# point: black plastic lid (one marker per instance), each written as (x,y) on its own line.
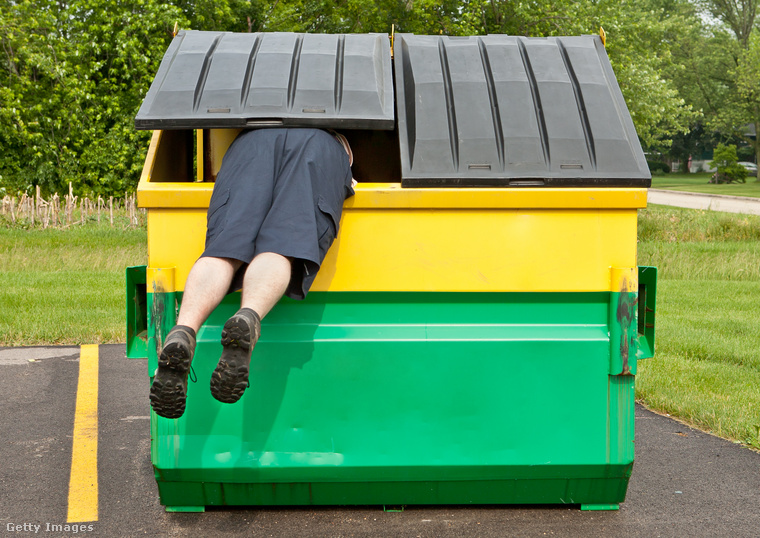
(504,110)
(234,80)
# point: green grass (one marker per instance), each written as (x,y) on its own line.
(66,286)
(706,369)
(673,224)
(699,183)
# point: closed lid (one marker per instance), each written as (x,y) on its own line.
(505,110)
(234,80)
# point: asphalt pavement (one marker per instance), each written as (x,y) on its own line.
(685,482)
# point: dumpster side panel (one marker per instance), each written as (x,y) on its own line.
(408,398)
(445,355)
(508,250)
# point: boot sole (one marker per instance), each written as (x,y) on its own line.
(230,377)
(169,389)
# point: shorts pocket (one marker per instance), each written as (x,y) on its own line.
(327,226)
(218,201)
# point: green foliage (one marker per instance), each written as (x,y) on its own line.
(658,166)
(229,15)
(726,161)
(73,75)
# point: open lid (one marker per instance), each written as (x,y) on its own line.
(234,80)
(504,110)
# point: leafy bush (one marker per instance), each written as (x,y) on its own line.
(727,164)
(658,166)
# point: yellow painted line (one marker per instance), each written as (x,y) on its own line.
(83,484)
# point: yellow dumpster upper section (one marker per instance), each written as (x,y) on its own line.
(427,239)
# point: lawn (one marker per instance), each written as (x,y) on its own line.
(699,183)
(706,369)
(66,286)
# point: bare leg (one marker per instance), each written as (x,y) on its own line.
(265,282)
(206,286)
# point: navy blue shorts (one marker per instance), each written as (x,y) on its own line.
(281,191)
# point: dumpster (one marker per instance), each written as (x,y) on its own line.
(473,333)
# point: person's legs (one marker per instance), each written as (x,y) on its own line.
(206,286)
(264,283)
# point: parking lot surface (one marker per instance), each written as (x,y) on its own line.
(685,482)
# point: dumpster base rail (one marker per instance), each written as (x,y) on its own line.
(589,493)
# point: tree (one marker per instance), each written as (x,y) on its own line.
(224,15)
(73,75)
(735,52)
(738,15)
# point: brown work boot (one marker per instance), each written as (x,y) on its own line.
(239,336)
(169,389)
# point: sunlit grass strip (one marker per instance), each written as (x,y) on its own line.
(64,307)
(729,261)
(675,224)
(700,183)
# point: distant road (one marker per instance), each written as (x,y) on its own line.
(713,202)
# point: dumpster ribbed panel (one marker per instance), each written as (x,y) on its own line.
(580,104)
(448,93)
(233,80)
(496,115)
(339,63)
(536,101)
(504,110)
(204,74)
(293,78)
(249,70)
